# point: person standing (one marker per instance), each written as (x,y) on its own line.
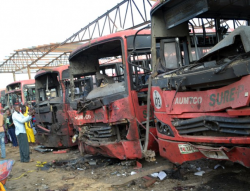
(19,119)
(28,127)
(2,135)
(11,128)
(7,136)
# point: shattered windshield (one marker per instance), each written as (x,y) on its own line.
(48,86)
(98,71)
(15,98)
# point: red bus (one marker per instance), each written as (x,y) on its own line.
(52,121)
(20,92)
(111,119)
(201,102)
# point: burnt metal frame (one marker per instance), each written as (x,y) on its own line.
(25,58)
(123,60)
(37,90)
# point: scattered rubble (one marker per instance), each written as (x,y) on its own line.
(83,163)
(42,149)
(162,175)
(217,166)
(128,163)
(199,173)
(181,188)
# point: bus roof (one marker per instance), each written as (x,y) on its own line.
(58,69)
(122,34)
(180,11)
(22,82)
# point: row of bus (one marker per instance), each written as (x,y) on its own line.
(18,93)
(170,90)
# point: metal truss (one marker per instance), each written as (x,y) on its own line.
(25,58)
(62,59)
(128,14)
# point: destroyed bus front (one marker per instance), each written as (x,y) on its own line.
(20,92)
(200,89)
(52,121)
(110,120)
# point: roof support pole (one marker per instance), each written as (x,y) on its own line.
(14,76)
(28,69)
(217,27)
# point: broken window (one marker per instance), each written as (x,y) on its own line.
(82,86)
(112,69)
(15,98)
(99,66)
(48,86)
(29,92)
(140,69)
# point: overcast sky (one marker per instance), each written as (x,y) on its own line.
(26,23)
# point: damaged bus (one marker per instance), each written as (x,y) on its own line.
(54,129)
(200,88)
(52,120)
(20,92)
(110,120)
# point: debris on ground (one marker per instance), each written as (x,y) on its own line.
(181,188)
(217,166)
(109,174)
(138,165)
(128,163)
(133,173)
(177,174)
(155,175)
(83,163)
(126,180)
(61,151)
(42,149)
(43,165)
(162,175)
(149,156)
(149,183)
(92,162)
(132,183)
(199,173)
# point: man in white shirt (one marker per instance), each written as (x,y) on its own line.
(19,119)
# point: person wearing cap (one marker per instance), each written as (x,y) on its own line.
(2,135)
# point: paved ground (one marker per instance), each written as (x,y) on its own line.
(99,177)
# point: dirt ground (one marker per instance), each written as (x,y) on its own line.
(27,176)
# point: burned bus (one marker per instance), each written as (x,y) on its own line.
(52,120)
(111,119)
(20,92)
(200,88)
